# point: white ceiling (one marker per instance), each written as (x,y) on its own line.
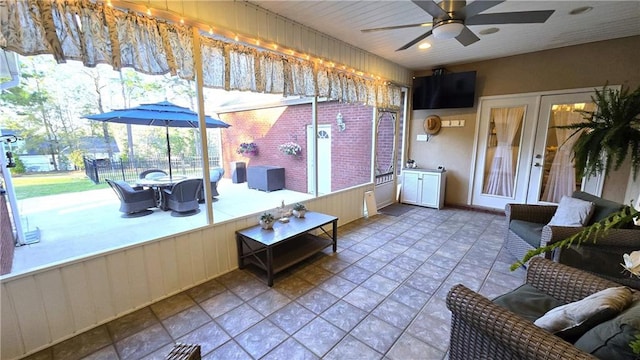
(344,20)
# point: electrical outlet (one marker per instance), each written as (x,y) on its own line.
(422,138)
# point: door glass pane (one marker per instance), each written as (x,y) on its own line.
(559,176)
(503,145)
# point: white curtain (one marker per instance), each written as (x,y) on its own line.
(562,176)
(500,179)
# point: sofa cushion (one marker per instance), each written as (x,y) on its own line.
(571,320)
(610,340)
(603,207)
(572,212)
(528,231)
(527,301)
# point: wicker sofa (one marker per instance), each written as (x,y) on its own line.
(527,229)
(481,329)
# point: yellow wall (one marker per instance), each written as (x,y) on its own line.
(590,65)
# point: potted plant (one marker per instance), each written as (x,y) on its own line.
(609,133)
(290,148)
(299,210)
(266,220)
(249,149)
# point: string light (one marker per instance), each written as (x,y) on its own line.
(109,4)
(282,50)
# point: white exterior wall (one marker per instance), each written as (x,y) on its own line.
(45,307)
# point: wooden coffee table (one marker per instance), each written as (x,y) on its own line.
(287,244)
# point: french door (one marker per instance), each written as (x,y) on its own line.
(553,174)
(521,156)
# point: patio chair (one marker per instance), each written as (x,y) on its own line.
(215,175)
(504,328)
(152,173)
(134,202)
(182,197)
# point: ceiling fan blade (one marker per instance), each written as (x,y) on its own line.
(477,7)
(415,41)
(432,8)
(520,17)
(467,37)
(396,27)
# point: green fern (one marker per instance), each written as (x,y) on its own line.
(593,232)
(609,134)
(635,344)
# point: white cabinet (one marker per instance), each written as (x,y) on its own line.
(423,187)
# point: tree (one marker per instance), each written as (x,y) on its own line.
(44,108)
(98,87)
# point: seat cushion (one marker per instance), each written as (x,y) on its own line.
(603,207)
(610,339)
(527,301)
(529,231)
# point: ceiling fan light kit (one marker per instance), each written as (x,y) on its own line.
(451,19)
(448,29)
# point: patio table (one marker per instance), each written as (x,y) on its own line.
(157,184)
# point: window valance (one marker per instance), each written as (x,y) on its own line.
(96,33)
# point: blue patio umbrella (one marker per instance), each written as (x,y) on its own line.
(163,113)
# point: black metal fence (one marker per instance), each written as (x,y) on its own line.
(99,169)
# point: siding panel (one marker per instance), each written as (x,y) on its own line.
(32,320)
(100,287)
(154,270)
(56,304)
(80,301)
(119,282)
(137,276)
(10,341)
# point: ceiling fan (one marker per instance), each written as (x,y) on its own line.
(451,18)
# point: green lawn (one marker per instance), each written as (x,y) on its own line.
(34,185)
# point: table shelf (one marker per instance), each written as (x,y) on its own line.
(290,252)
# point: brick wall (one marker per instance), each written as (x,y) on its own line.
(268,128)
(7,241)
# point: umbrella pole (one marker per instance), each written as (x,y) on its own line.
(169,153)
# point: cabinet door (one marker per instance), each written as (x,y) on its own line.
(430,190)
(410,187)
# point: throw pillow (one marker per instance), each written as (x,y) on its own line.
(572,320)
(572,212)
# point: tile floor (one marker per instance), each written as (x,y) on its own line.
(382,295)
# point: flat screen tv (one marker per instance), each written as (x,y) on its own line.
(454,90)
